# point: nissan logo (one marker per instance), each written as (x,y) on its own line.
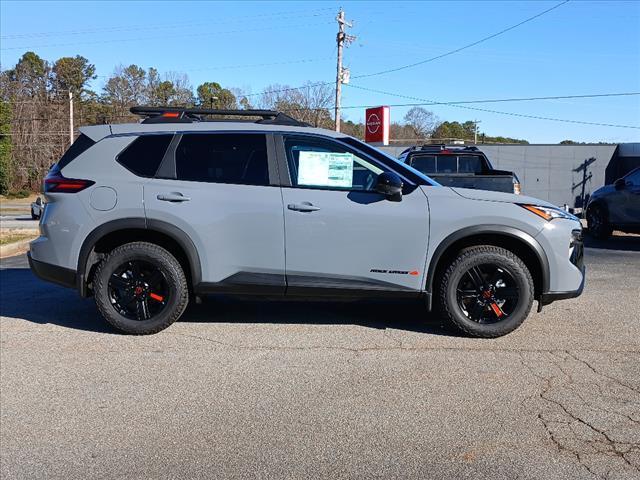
(373,123)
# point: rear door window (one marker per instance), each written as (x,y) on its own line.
(223,158)
(144,155)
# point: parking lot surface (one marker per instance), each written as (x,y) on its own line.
(321,389)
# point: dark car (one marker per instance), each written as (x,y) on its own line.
(459,166)
(615,207)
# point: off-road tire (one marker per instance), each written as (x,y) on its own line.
(477,255)
(163,260)
(598,223)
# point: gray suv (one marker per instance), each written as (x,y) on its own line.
(146,216)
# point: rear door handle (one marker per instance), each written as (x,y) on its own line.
(303,207)
(173,197)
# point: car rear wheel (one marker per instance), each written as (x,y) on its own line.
(486,291)
(140,288)
(597,222)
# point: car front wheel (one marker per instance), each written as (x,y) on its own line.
(486,291)
(597,222)
(140,288)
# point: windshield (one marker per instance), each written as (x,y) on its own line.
(411,173)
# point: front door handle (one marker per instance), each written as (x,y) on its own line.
(173,197)
(303,207)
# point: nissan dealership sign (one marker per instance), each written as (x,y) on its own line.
(377,125)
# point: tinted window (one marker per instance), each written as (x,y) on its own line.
(144,155)
(391,163)
(424,163)
(633,178)
(81,144)
(447,164)
(223,158)
(470,164)
(321,163)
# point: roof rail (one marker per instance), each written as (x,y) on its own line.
(189,115)
(442,146)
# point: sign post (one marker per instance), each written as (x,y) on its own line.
(377,126)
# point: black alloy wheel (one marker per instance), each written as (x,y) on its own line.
(597,223)
(138,290)
(487,293)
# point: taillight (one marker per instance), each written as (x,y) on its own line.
(55,182)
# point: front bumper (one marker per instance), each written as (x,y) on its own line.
(550,297)
(52,273)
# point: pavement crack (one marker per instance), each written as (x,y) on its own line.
(595,371)
(561,409)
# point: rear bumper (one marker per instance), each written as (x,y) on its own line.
(550,297)
(52,273)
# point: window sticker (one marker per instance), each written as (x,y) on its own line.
(327,169)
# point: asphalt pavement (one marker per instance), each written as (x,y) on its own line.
(18,222)
(257,389)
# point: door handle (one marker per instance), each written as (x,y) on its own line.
(303,207)
(173,197)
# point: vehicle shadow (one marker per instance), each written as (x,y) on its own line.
(24,296)
(625,242)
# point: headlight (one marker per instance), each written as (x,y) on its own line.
(549,213)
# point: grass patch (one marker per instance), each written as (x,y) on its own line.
(7,238)
(18,194)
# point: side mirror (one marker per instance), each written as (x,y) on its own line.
(619,184)
(390,185)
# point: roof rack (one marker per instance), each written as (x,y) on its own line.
(190,115)
(439,147)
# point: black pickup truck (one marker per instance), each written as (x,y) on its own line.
(457,166)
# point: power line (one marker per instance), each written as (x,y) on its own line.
(523,115)
(251,65)
(497,100)
(457,103)
(451,52)
(243,19)
(164,37)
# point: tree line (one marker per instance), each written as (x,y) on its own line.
(34,110)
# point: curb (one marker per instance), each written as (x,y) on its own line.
(15,248)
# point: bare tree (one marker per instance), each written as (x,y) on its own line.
(421,121)
(311,103)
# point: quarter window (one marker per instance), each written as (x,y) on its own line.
(223,158)
(144,155)
(78,147)
(317,163)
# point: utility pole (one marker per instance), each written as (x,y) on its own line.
(70,118)
(475,131)
(342,39)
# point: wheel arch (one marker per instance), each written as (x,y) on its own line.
(599,202)
(520,243)
(118,232)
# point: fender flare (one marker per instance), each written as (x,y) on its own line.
(140,223)
(483,230)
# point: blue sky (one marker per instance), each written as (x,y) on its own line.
(582,47)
